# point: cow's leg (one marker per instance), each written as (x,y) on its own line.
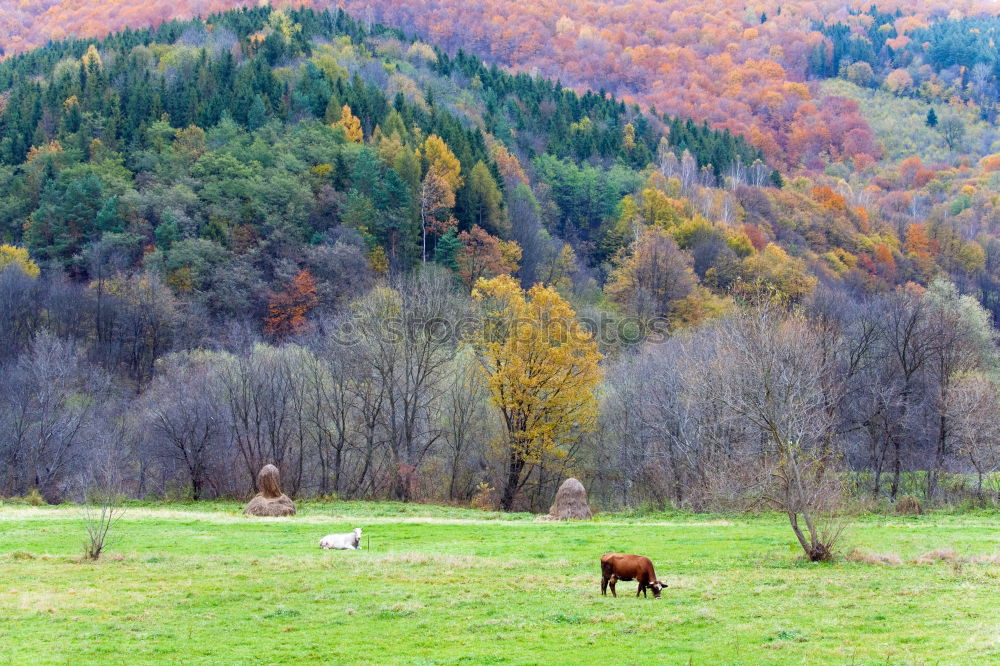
(604,586)
(641,589)
(614,579)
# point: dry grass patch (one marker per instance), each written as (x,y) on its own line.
(938,555)
(949,555)
(868,557)
(983,559)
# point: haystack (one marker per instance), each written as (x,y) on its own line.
(570,503)
(270,501)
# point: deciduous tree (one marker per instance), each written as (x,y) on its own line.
(287,310)
(542,372)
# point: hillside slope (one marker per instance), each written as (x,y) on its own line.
(137,136)
(739,69)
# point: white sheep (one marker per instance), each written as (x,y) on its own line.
(349,541)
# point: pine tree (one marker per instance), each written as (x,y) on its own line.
(257,116)
(932,119)
(446,252)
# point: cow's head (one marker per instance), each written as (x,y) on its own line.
(656,586)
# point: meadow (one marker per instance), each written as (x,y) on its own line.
(204,584)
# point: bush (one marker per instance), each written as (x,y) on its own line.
(34,498)
(908,505)
(484,499)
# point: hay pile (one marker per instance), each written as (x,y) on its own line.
(270,501)
(570,503)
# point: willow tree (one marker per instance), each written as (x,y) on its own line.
(542,371)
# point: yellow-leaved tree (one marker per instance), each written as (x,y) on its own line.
(11,255)
(439,159)
(442,178)
(351,125)
(542,371)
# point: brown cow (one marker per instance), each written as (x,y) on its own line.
(618,566)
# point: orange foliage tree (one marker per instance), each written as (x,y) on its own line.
(484,256)
(287,309)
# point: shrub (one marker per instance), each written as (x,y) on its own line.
(908,505)
(484,499)
(34,498)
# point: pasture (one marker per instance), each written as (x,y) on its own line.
(203,584)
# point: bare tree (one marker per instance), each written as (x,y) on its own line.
(973,405)
(666,160)
(526,229)
(623,452)
(960,340)
(654,277)
(103,485)
(769,370)
(101,511)
(979,80)
(736,174)
(688,171)
(897,391)
(21,311)
(48,411)
(261,396)
(466,426)
(331,409)
(406,343)
(181,416)
(758,174)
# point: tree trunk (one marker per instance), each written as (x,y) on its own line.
(515,465)
(452,480)
(337,461)
(939,453)
(896,471)
(793,519)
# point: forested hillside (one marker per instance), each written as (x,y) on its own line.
(393,269)
(740,68)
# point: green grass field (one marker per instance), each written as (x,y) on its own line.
(203,584)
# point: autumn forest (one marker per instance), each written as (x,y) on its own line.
(690,253)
